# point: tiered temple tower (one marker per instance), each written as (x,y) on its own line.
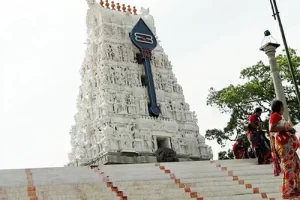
(129,103)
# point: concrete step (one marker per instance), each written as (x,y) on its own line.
(146,182)
(237,197)
(226,179)
(218,180)
(139,178)
(158,198)
(213,168)
(90,196)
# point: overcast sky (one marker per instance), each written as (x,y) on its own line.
(41,52)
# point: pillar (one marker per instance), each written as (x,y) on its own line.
(270,50)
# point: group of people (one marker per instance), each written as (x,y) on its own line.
(280,150)
(260,144)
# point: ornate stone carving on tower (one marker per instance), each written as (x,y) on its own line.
(129,103)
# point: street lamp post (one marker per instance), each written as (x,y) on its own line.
(270,49)
(276,13)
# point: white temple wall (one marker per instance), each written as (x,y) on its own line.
(112,104)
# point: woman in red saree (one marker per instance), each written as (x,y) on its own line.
(284,146)
(256,136)
(239,150)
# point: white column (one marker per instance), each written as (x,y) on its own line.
(270,50)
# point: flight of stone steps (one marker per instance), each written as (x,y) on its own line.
(203,180)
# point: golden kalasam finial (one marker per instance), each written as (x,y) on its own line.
(101,3)
(124,8)
(129,9)
(106,4)
(134,10)
(118,7)
(113,5)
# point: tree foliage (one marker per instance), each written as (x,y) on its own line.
(240,100)
(225,155)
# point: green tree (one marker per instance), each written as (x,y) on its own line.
(225,155)
(239,101)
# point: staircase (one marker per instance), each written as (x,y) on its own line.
(203,180)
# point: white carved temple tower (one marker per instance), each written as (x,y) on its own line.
(113,124)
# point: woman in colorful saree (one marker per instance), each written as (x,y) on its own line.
(239,149)
(284,146)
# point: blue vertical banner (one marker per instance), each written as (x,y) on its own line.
(143,38)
